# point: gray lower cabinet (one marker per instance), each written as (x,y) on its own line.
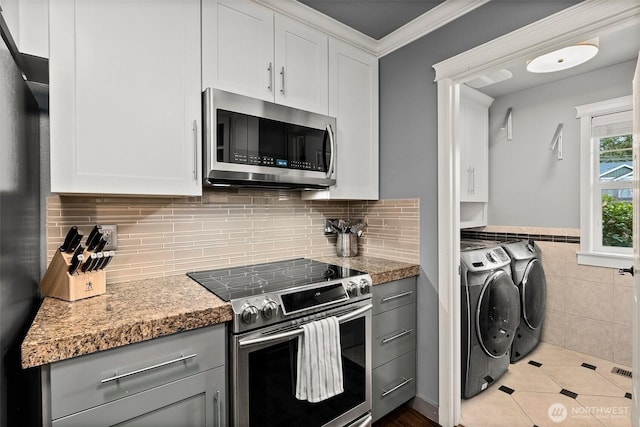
(175,380)
(393,345)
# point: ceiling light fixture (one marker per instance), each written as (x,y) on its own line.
(564,58)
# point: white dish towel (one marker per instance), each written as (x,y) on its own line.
(319,375)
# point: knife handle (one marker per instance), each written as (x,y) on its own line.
(91,239)
(108,260)
(75,263)
(97,261)
(101,244)
(86,267)
(71,234)
(75,242)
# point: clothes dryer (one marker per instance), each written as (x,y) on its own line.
(528,274)
(490,312)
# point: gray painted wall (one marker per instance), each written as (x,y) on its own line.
(528,186)
(408,143)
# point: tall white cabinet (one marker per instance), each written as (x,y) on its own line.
(125,103)
(250,50)
(353,100)
(474,156)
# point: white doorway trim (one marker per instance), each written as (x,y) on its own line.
(577,23)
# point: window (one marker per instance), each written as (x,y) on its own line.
(606,183)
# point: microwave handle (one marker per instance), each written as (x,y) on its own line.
(298,331)
(332,159)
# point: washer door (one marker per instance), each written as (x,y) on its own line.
(533,291)
(498,314)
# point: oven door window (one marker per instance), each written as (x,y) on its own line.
(272,382)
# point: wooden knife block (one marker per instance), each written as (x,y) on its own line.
(58,283)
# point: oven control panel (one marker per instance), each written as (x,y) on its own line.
(270,308)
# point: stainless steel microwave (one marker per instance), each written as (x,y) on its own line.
(251,142)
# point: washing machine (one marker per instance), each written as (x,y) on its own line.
(528,275)
(489,316)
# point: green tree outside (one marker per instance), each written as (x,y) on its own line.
(617,215)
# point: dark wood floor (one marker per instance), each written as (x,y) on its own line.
(405,416)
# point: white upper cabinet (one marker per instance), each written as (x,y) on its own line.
(237,48)
(250,50)
(474,145)
(125,99)
(474,156)
(353,100)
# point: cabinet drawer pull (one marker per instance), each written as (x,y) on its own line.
(182,358)
(396,336)
(270,70)
(392,297)
(405,381)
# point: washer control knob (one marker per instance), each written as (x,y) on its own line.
(269,309)
(249,314)
(365,286)
(352,289)
(491,257)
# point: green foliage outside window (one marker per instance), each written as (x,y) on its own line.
(617,222)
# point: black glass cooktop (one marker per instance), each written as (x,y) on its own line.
(239,282)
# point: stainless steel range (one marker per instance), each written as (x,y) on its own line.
(271,302)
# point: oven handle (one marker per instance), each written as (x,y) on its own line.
(296,332)
(366,421)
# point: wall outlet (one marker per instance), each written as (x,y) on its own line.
(110,232)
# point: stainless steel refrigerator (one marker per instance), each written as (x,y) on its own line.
(20,247)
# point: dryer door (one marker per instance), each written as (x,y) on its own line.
(533,291)
(498,314)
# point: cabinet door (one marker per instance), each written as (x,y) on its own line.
(125,97)
(196,401)
(301,73)
(474,145)
(237,47)
(353,100)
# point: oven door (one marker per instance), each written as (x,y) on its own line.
(263,367)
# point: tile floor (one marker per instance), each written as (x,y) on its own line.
(553,387)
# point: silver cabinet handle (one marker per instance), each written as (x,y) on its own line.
(298,331)
(182,358)
(396,336)
(218,409)
(329,131)
(473,180)
(392,297)
(282,87)
(195,150)
(405,381)
(270,69)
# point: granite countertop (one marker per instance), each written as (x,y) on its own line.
(381,270)
(135,311)
(127,313)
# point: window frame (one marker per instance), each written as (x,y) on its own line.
(591,250)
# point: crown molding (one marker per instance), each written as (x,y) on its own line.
(572,25)
(322,22)
(430,21)
(426,23)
